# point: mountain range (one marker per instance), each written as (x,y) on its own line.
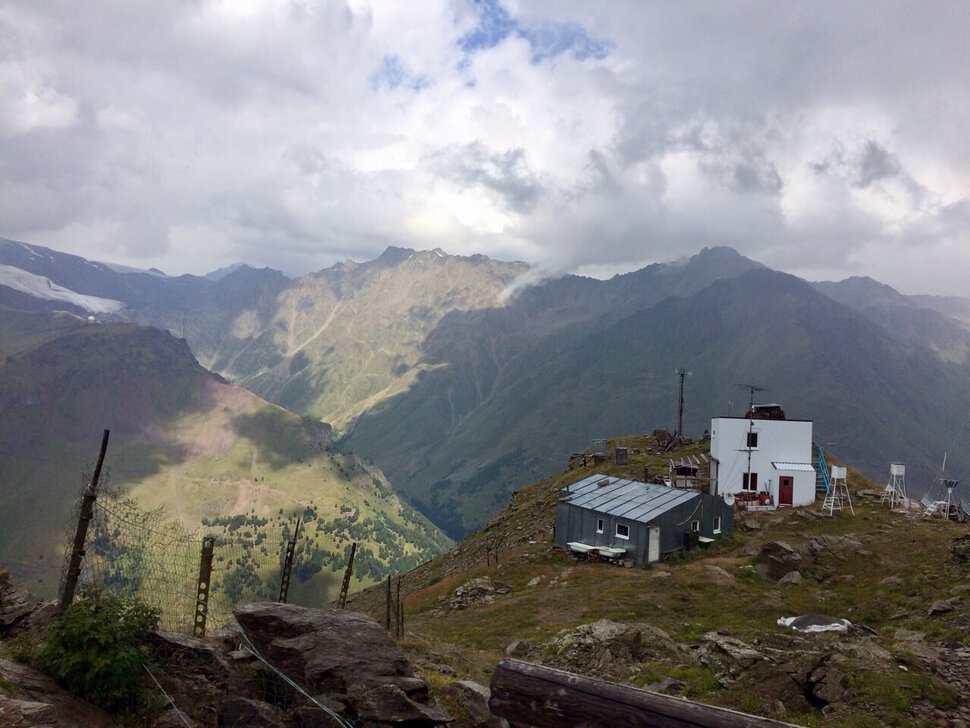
(185,443)
(462,382)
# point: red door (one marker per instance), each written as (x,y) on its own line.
(786,490)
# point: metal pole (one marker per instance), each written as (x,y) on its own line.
(202,593)
(87,513)
(680,410)
(342,603)
(288,564)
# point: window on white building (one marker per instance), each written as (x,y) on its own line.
(749,483)
(752,439)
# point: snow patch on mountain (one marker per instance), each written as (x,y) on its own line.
(42,287)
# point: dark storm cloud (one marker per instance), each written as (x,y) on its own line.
(506,172)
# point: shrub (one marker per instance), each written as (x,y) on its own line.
(94,650)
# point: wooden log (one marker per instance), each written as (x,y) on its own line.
(543,697)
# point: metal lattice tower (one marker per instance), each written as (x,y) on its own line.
(837,496)
(895,491)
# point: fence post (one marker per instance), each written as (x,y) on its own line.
(387,613)
(84,519)
(342,603)
(400,610)
(288,564)
(202,593)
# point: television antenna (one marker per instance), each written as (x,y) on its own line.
(752,388)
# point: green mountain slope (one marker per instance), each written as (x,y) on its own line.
(183,440)
(875,396)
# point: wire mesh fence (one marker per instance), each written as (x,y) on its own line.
(147,555)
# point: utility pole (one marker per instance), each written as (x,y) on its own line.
(681,372)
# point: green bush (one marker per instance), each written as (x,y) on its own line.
(95,650)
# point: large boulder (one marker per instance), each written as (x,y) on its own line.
(30,699)
(471,702)
(17,614)
(727,656)
(777,559)
(343,655)
(609,648)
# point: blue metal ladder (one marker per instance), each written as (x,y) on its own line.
(821,470)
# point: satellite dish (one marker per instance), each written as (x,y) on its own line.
(729,498)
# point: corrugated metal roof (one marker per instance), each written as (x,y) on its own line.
(798,467)
(629,499)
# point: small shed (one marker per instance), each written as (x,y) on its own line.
(637,521)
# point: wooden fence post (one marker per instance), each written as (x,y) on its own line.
(387,613)
(80,534)
(399,612)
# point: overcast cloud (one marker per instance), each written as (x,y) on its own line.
(825,139)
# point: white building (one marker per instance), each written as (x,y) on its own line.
(763,457)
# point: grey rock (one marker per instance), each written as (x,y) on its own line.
(718,573)
(390,704)
(727,656)
(666,685)
(472,701)
(828,684)
(891,581)
(776,559)
(344,655)
(791,578)
(174,718)
(908,635)
(943,606)
(31,698)
(519,648)
(246,713)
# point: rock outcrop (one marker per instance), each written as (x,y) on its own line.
(343,655)
(30,699)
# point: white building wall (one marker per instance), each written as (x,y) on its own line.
(778,441)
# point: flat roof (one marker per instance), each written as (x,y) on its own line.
(757,419)
(797,467)
(629,499)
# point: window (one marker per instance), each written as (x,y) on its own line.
(717,524)
(622,531)
(599,525)
(749,483)
(695,526)
(752,439)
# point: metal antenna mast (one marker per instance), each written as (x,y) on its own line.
(752,388)
(681,372)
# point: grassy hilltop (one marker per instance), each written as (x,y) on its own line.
(881,570)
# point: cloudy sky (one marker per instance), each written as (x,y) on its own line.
(824,139)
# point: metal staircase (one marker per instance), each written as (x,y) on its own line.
(821,470)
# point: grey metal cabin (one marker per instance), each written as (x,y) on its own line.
(646,521)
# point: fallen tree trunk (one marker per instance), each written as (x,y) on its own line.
(533,695)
